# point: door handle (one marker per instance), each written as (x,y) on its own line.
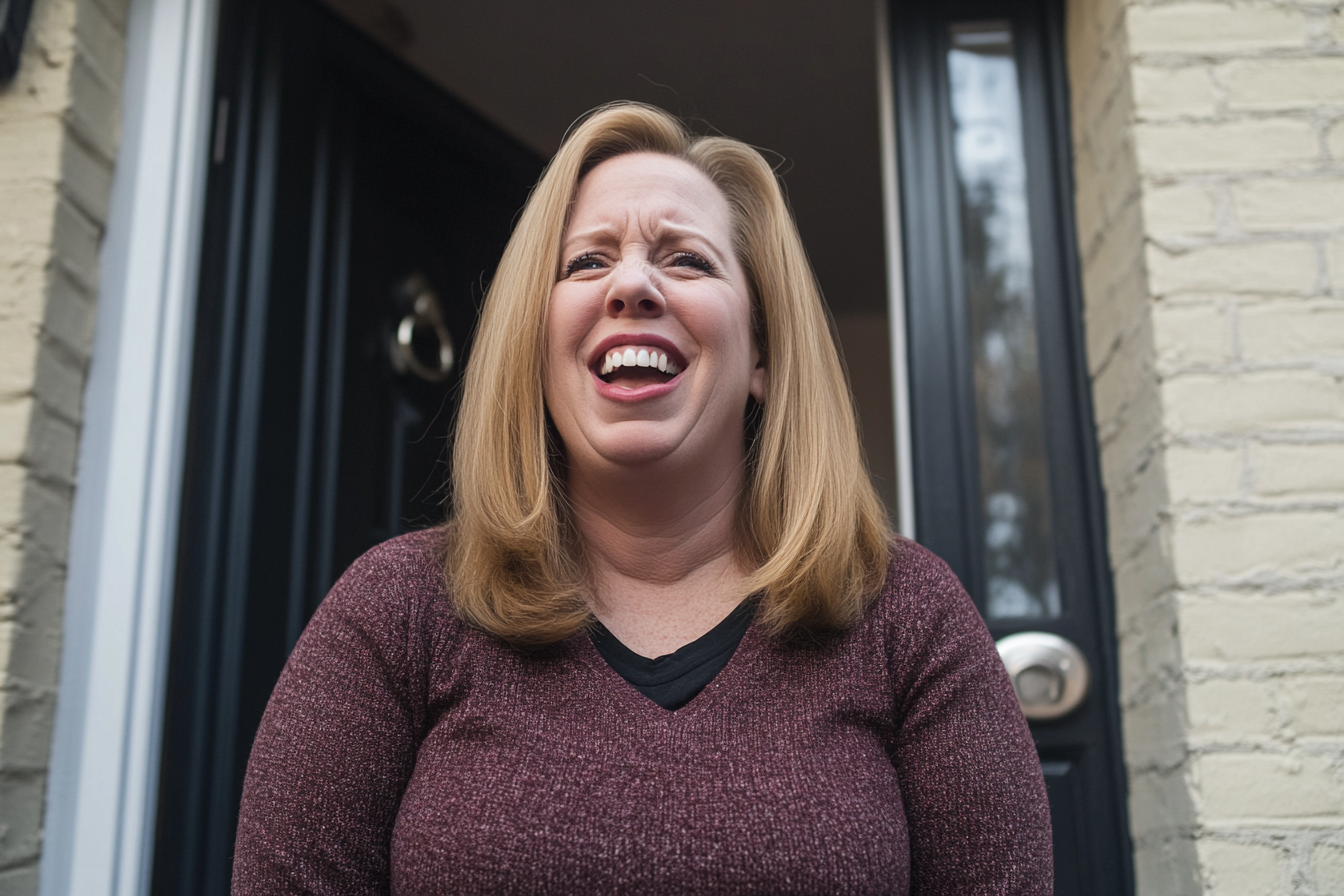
(425,314)
(1049,673)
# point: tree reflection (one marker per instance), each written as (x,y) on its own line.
(997,270)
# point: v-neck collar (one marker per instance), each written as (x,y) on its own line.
(639,669)
(608,679)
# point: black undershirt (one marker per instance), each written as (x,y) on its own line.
(672,680)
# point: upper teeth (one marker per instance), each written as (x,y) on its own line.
(637,356)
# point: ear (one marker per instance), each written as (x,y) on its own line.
(760,377)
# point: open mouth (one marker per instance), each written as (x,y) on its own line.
(633,366)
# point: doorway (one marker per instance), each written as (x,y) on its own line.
(340,284)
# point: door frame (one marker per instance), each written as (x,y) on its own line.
(103,777)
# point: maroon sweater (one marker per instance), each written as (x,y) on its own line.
(405,752)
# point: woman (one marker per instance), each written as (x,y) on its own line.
(666,643)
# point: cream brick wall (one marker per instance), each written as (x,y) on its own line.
(58,137)
(1209,144)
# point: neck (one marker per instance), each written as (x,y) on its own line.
(661,551)
(655,528)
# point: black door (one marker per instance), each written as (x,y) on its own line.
(353,217)
(1007,488)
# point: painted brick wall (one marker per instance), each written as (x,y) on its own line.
(58,138)
(1210,159)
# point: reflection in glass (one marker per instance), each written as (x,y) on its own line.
(1020,566)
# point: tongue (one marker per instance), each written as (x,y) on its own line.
(636,377)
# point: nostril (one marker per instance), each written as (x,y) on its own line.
(648,305)
(617,305)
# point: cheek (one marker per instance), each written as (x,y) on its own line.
(565,331)
(736,328)
(566,325)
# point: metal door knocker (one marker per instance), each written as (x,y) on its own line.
(426,318)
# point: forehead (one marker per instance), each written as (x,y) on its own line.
(649,188)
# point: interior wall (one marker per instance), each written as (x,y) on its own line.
(797,79)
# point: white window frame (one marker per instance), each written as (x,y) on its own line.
(103,786)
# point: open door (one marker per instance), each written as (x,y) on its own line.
(354,216)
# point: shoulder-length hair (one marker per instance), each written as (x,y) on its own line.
(811,531)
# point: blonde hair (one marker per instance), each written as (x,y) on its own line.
(811,531)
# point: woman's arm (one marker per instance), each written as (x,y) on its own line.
(970,777)
(338,740)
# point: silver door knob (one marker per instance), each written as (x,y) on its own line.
(1049,673)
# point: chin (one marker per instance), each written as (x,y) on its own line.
(637,443)
(637,452)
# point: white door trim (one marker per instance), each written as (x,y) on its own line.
(102,789)
(891,216)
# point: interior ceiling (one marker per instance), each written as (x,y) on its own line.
(797,78)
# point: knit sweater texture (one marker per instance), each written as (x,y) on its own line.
(404,752)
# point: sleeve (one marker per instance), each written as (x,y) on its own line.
(337,744)
(975,799)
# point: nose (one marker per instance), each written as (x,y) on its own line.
(633,291)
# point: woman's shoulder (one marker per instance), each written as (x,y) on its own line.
(412,560)
(917,579)
(398,583)
(921,603)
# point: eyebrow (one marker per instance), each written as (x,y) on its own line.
(610,232)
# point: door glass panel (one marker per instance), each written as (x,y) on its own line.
(1021,578)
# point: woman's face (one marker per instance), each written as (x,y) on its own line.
(650,353)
